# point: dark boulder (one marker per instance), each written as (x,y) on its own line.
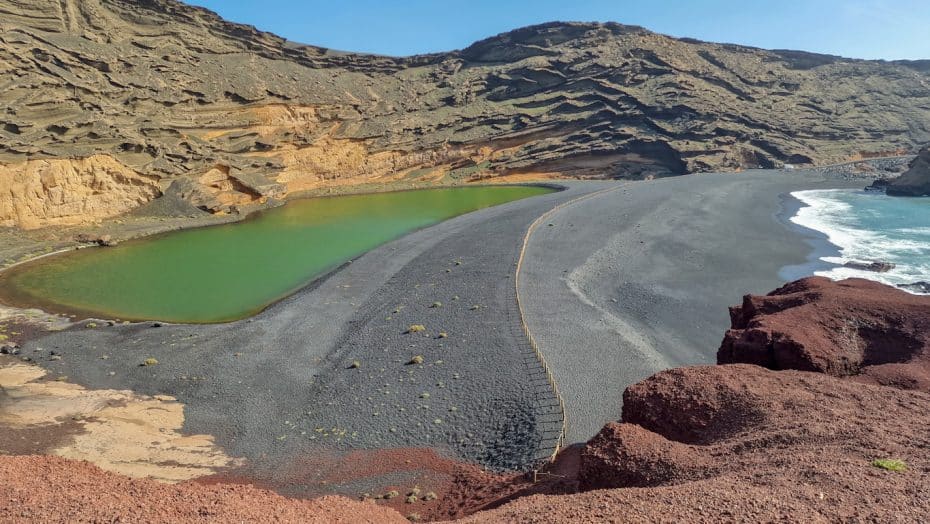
(916,181)
(875,266)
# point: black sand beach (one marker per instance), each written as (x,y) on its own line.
(605,288)
(280,385)
(638,280)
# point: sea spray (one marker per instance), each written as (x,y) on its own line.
(869,226)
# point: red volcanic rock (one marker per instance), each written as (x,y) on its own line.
(53,489)
(627,455)
(743,443)
(855,327)
(756,445)
(673,404)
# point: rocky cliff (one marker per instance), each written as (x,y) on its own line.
(855,328)
(170,93)
(916,180)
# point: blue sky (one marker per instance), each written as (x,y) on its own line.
(890,29)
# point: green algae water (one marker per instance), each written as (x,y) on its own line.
(222,273)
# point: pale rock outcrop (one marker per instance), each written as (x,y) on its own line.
(38,193)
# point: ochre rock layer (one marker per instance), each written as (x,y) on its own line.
(94,78)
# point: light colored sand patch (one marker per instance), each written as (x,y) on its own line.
(630,336)
(19,375)
(131,434)
(519,178)
(36,317)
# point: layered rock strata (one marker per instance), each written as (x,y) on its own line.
(236,116)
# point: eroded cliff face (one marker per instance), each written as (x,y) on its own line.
(38,193)
(104,77)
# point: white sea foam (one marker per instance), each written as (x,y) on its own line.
(870,227)
(915,230)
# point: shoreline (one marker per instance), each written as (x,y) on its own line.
(821,260)
(134,224)
(147,220)
(819,242)
(480,367)
(79,314)
(645,276)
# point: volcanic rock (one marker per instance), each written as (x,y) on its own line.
(735,442)
(739,442)
(747,444)
(53,489)
(875,266)
(880,184)
(916,181)
(101,240)
(852,328)
(628,455)
(919,287)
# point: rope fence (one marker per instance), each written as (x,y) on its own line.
(552,450)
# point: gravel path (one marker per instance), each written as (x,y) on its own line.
(639,279)
(281,385)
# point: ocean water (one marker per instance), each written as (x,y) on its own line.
(867,226)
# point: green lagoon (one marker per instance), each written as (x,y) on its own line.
(227,272)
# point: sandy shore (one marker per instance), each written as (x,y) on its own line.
(628,282)
(637,280)
(278,388)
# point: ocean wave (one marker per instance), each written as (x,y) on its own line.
(868,227)
(915,230)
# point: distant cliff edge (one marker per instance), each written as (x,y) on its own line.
(916,180)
